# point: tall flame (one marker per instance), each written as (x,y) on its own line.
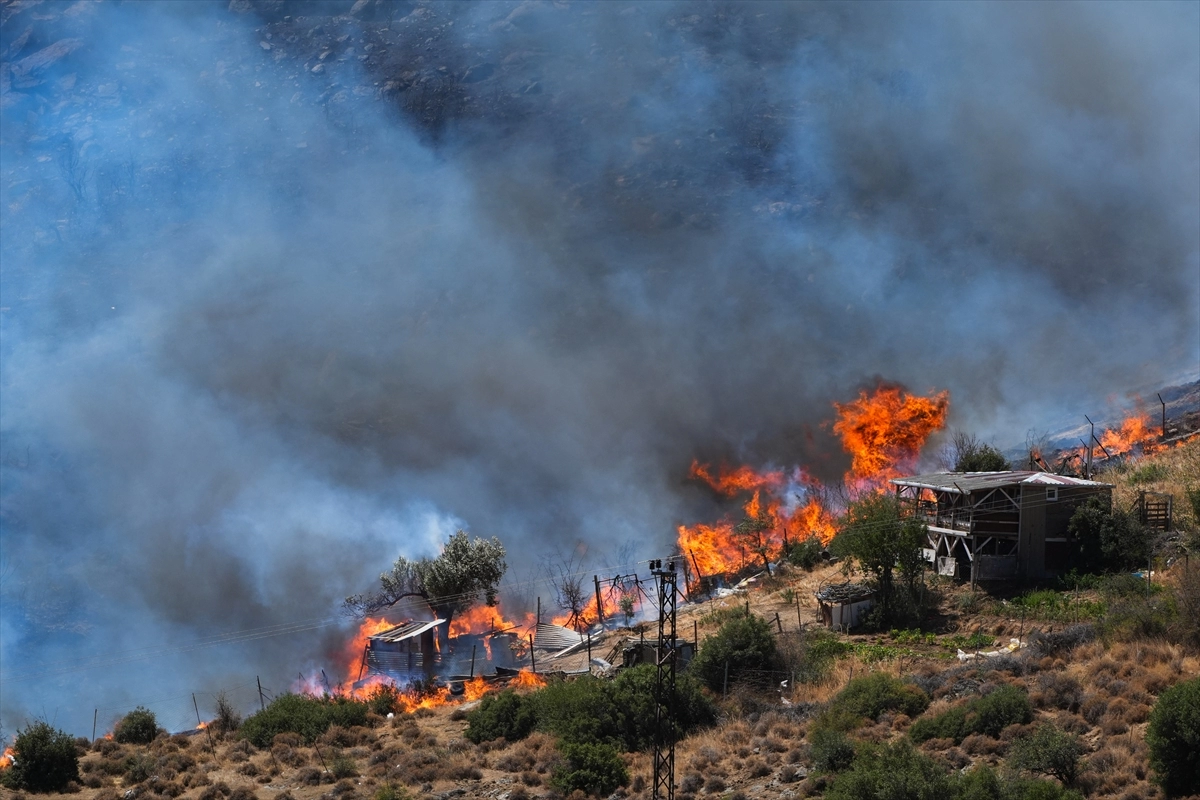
(883,432)
(7,759)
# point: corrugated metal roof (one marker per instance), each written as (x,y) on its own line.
(554,637)
(406,630)
(968,482)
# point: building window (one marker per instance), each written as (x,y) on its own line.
(1052,493)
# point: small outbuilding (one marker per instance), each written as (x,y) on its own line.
(843,605)
(997,525)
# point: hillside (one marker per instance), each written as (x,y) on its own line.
(1092,661)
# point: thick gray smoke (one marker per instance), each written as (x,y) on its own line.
(286,294)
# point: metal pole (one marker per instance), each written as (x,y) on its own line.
(199,723)
(1088,471)
(473,660)
(532,655)
(1164,415)
(95,716)
(664,687)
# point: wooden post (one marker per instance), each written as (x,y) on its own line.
(1164,415)
(799,619)
(725,681)
(589,646)
(599,606)
(95,716)
(539,613)
(196,706)
(695,636)
(699,574)
(262,704)
(473,660)
(363,666)
(778,622)
(532,655)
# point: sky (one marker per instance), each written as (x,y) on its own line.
(284,295)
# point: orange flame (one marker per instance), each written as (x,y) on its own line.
(1136,432)
(8,759)
(201,726)
(589,616)
(527,680)
(475,688)
(885,431)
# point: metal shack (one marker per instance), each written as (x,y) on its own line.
(407,651)
(997,525)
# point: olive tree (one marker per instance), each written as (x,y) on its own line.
(466,572)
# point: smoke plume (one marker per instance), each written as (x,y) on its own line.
(290,289)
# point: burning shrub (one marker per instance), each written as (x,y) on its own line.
(137,727)
(1174,738)
(743,644)
(507,714)
(307,716)
(590,767)
(44,760)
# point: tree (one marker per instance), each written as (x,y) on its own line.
(1049,751)
(137,727)
(1174,738)
(966,453)
(752,529)
(466,571)
(882,541)
(44,760)
(566,576)
(1108,539)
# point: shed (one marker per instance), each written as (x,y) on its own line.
(406,651)
(997,525)
(842,605)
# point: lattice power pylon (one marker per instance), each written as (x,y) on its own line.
(664,686)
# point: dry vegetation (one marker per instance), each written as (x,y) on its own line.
(1094,682)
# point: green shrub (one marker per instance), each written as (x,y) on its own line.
(744,643)
(1108,540)
(137,727)
(982,783)
(1148,473)
(228,719)
(987,715)
(1049,751)
(342,766)
(806,554)
(384,699)
(891,772)
(593,768)
(871,695)
(44,760)
(1174,739)
(390,791)
(304,715)
(139,767)
(992,713)
(581,710)
(632,694)
(950,724)
(831,749)
(505,715)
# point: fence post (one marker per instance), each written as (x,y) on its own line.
(725,683)
(532,655)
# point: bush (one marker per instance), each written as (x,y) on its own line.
(992,713)
(1108,540)
(871,695)
(505,715)
(806,554)
(589,767)
(891,772)
(745,643)
(137,727)
(987,715)
(581,710)
(832,750)
(307,716)
(228,719)
(1174,739)
(632,693)
(1049,751)
(44,760)
(982,783)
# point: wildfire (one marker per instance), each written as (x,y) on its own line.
(202,726)
(527,680)
(8,759)
(589,616)
(475,688)
(1135,432)
(885,431)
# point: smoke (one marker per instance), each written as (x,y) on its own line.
(286,294)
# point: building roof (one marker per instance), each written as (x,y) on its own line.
(555,637)
(968,482)
(406,631)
